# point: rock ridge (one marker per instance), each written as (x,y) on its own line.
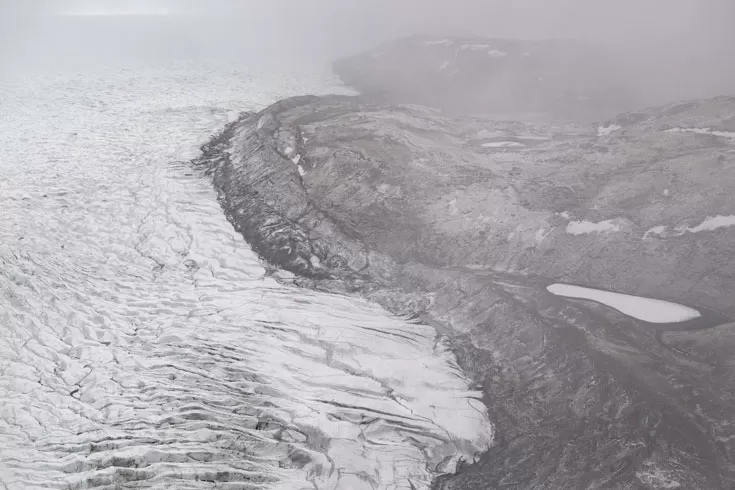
(462,222)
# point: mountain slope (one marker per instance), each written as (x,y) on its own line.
(464,222)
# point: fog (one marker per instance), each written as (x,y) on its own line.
(678,47)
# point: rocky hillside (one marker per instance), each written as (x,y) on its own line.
(464,222)
(529,79)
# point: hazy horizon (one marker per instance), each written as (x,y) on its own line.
(682,46)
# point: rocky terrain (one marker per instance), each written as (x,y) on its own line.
(538,79)
(463,223)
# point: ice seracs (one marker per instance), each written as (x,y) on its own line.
(142,342)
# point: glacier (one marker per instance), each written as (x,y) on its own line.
(144,345)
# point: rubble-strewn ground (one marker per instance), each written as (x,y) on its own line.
(463,222)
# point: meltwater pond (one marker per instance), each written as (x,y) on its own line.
(646,309)
(142,344)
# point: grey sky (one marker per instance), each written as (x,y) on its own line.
(687,41)
(702,22)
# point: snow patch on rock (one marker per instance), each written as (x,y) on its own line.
(442,42)
(711,223)
(475,47)
(609,129)
(645,309)
(586,227)
(705,131)
(502,144)
(655,231)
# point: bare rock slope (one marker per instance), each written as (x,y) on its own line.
(530,79)
(464,222)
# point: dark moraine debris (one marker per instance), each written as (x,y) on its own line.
(406,207)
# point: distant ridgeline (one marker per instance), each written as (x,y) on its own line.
(583,275)
(546,78)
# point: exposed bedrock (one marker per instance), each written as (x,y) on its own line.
(464,222)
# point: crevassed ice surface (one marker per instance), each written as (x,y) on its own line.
(646,309)
(142,345)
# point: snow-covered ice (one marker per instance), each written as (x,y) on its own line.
(646,309)
(143,344)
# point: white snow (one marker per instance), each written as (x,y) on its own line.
(656,230)
(444,42)
(296,161)
(534,137)
(475,46)
(233,116)
(585,227)
(609,129)
(444,65)
(711,223)
(645,309)
(707,131)
(501,144)
(138,328)
(497,54)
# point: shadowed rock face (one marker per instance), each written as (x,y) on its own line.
(530,79)
(464,222)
